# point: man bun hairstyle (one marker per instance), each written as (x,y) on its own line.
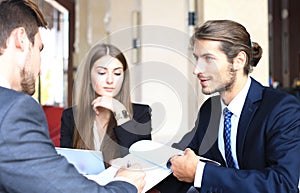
(234,38)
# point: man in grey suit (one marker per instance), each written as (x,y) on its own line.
(28,160)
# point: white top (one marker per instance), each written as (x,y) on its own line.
(97,140)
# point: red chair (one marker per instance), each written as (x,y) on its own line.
(53,116)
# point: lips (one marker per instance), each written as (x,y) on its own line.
(203,80)
(108,89)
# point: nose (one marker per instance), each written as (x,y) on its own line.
(109,79)
(196,70)
(199,67)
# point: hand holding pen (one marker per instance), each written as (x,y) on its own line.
(184,166)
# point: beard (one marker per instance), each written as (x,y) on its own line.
(232,78)
(27,77)
(27,82)
(225,85)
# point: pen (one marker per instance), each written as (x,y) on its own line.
(168,164)
(206,160)
(128,164)
(203,159)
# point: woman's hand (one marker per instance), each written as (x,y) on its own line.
(120,112)
(106,102)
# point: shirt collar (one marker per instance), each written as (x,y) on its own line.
(4,83)
(236,105)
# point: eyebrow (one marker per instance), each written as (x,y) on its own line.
(207,54)
(106,68)
(203,55)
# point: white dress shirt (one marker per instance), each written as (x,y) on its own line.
(4,83)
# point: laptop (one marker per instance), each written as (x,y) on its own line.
(87,162)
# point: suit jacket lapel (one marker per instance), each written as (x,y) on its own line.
(250,106)
(209,145)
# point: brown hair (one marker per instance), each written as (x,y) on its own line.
(234,38)
(19,13)
(84,95)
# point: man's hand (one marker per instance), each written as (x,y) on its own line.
(134,175)
(184,166)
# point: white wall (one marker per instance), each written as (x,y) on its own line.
(89,26)
(167,80)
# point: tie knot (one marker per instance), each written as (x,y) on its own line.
(227,113)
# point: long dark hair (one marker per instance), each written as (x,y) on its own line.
(83,96)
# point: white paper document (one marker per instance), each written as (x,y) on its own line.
(150,155)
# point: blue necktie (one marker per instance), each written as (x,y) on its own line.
(226,135)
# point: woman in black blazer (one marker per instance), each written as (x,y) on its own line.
(103,117)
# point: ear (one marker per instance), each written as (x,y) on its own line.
(240,60)
(20,38)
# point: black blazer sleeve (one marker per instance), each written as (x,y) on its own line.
(67,128)
(139,128)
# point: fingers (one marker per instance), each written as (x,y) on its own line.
(104,102)
(141,185)
(176,162)
(188,151)
(125,164)
(134,174)
(135,166)
(95,104)
(184,166)
(134,169)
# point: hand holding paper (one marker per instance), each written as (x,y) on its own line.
(134,175)
(184,166)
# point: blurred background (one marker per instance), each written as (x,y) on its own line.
(154,35)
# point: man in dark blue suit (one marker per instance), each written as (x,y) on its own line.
(257,141)
(28,160)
